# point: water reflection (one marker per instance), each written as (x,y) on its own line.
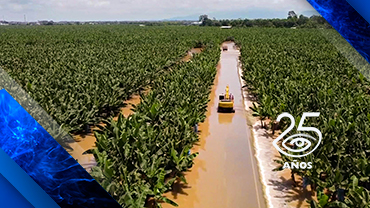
(225,118)
(225,172)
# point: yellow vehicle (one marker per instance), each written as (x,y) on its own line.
(226,102)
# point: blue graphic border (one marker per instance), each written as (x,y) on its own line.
(347,21)
(45,161)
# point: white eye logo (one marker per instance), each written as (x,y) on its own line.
(302,142)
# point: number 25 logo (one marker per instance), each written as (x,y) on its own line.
(298,140)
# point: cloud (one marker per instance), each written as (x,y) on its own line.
(72,4)
(16,7)
(137,9)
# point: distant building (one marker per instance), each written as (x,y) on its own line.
(45,22)
(141,25)
(4,23)
(225,27)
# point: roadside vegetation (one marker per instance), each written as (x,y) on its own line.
(141,156)
(302,72)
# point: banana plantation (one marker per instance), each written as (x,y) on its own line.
(81,76)
(302,72)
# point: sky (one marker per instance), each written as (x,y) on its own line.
(121,10)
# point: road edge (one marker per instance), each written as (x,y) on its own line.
(264,151)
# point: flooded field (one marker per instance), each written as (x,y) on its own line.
(225,173)
(190,54)
(85,142)
(91,68)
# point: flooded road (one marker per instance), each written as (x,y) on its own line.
(225,173)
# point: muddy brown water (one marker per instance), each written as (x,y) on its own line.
(85,142)
(191,53)
(225,173)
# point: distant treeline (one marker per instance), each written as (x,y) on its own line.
(293,20)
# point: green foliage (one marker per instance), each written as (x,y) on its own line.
(140,157)
(292,21)
(81,74)
(299,71)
